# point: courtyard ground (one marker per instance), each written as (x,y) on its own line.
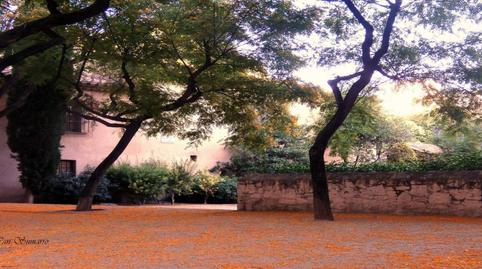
(218,237)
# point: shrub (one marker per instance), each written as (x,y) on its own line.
(180,179)
(400,152)
(207,183)
(149,180)
(226,190)
(66,189)
(137,184)
(265,163)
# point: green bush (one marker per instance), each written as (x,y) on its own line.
(137,184)
(269,163)
(66,189)
(180,179)
(149,180)
(226,191)
(401,152)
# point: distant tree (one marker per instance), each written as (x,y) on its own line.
(365,34)
(180,179)
(401,152)
(207,183)
(366,133)
(182,68)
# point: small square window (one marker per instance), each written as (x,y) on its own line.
(67,167)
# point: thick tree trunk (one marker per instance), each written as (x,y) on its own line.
(206,198)
(321,198)
(87,195)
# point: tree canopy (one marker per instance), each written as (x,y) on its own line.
(184,67)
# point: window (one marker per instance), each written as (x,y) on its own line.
(74,123)
(66,167)
(193,158)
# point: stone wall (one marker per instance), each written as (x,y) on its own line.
(441,192)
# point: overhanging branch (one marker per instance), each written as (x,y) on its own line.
(11,36)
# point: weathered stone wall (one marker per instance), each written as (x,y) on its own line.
(448,193)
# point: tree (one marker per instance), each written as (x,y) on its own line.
(36,124)
(180,179)
(182,67)
(207,182)
(34,131)
(406,53)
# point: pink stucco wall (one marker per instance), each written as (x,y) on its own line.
(10,188)
(92,147)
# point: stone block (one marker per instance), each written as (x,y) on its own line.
(439,198)
(419,190)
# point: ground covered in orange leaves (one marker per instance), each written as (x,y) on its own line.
(183,237)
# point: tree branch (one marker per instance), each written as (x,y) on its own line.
(29,51)
(11,36)
(128,80)
(368,41)
(52,6)
(385,74)
(387,32)
(97,119)
(336,90)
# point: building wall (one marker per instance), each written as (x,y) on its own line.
(441,192)
(90,148)
(10,188)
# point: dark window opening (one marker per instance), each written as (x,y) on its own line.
(193,158)
(74,123)
(66,167)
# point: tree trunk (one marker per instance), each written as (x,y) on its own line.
(321,198)
(87,195)
(28,197)
(172,198)
(206,198)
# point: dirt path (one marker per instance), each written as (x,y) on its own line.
(183,237)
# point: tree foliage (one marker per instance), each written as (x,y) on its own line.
(34,131)
(37,18)
(367,133)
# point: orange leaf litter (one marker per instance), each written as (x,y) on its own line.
(177,237)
